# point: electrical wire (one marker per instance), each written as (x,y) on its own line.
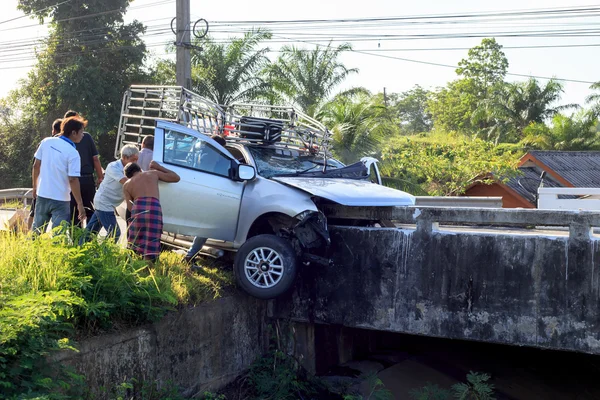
(34,12)
(307,31)
(454,66)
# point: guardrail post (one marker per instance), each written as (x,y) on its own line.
(424,225)
(580,229)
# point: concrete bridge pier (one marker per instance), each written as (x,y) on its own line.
(319,347)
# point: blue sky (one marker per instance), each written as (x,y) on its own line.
(580,63)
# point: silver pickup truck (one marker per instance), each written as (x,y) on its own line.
(260,197)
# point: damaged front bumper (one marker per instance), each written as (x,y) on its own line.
(312,236)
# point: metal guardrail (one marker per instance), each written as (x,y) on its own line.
(456,201)
(426,219)
(24,194)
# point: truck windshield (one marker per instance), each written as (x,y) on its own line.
(271,162)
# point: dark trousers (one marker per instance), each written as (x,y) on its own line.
(88,191)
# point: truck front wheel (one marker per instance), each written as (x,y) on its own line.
(265,266)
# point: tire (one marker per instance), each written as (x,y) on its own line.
(271,255)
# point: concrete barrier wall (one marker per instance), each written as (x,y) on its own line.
(200,348)
(497,287)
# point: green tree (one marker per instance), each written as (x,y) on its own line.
(576,132)
(308,78)
(17,145)
(486,64)
(230,73)
(453,107)
(162,72)
(482,73)
(411,108)
(594,100)
(89,58)
(357,123)
(514,106)
(444,165)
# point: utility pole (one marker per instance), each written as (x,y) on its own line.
(184,59)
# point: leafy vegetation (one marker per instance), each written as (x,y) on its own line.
(476,388)
(358,125)
(376,389)
(308,78)
(444,165)
(232,72)
(279,376)
(52,291)
(11,204)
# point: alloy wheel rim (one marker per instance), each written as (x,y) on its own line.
(263,267)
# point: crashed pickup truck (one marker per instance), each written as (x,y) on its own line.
(260,197)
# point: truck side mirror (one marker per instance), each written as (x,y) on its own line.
(245,172)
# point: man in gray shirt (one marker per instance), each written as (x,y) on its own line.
(110,194)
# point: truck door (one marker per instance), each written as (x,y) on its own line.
(206,201)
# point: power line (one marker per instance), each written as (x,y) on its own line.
(34,12)
(523,12)
(449,66)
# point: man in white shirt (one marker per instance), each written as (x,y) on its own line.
(55,175)
(146,153)
(110,194)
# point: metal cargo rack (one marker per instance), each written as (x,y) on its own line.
(143,105)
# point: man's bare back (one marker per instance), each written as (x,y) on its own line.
(145,184)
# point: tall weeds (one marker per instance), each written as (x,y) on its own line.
(52,290)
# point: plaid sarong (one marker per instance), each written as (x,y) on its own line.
(145,228)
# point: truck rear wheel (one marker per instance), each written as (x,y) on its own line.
(265,266)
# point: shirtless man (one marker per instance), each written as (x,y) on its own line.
(141,196)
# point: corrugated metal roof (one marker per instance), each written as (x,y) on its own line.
(527,183)
(580,168)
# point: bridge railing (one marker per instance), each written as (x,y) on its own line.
(427,219)
(458,201)
(552,199)
(22,194)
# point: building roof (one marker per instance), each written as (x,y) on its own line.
(579,168)
(527,183)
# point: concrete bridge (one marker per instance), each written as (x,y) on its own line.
(476,274)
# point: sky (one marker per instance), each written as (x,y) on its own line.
(375,71)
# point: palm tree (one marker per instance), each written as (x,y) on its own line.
(307,78)
(577,132)
(358,125)
(513,106)
(594,100)
(230,73)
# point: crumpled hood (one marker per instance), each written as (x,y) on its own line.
(350,192)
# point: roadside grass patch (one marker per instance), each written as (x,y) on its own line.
(52,290)
(11,204)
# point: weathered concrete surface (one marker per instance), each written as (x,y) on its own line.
(516,289)
(197,349)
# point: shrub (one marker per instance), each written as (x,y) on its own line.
(51,290)
(476,388)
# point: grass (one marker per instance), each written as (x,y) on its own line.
(52,290)
(11,204)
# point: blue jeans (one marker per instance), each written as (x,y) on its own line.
(106,220)
(47,210)
(196,247)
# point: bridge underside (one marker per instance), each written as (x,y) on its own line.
(506,288)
